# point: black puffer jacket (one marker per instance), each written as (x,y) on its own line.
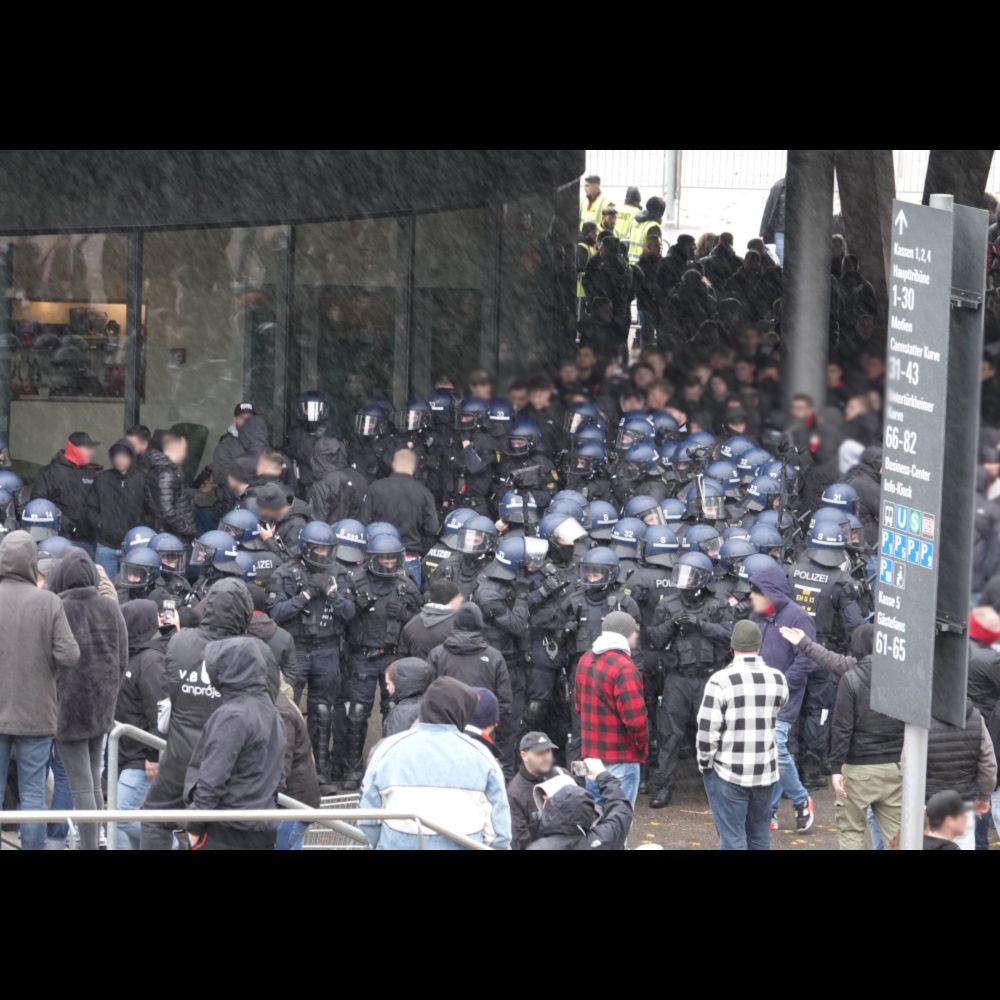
(88,692)
(115,502)
(570,820)
(467,657)
(337,490)
(238,761)
(413,678)
(953,757)
(143,682)
(523,812)
(193,698)
(858,734)
(984,677)
(168,503)
(866,478)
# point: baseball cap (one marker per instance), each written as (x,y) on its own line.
(81,439)
(942,806)
(536,743)
(271,496)
(242,408)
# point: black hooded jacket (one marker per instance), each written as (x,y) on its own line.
(67,484)
(467,657)
(570,820)
(412,678)
(238,761)
(115,501)
(193,698)
(337,490)
(168,503)
(866,478)
(280,642)
(143,681)
(88,692)
(448,702)
(523,812)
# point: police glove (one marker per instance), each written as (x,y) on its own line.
(684,622)
(552,585)
(394,608)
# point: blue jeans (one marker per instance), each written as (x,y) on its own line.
(878,844)
(628,778)
(108,558)
(62,797)
(779,247)
(995,802)
(789,785)
(132,787)
(647,328)
(32,753)
(742,815)
(290,836)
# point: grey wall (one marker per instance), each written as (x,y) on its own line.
(74,189)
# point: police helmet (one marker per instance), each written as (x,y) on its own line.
(370,421)
(351,541)
(702,538)
(137,538)
(761,493)
(692,571)
(415,416)
(242,524)
(633,429)
(41,519)
(601,520)
(599,569)
(517,508)
(842,495)
(317,541)
(645,508)
(172,552)
(472,414)
(205,548)
(386,557)
(626,535)
(140,568)
(579,414)
(522,437)
(827,543)
(453,524)
(476,537)
(660,546)
(314,407)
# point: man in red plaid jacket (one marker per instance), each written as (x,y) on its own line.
(609,701)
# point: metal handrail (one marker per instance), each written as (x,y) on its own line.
(121,729)
(180,817)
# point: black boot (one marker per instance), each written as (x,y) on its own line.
(811,772)
(357,730)
(321,750)
(661,799)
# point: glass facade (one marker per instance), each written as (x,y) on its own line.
(173,327)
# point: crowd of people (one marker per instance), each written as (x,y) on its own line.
(559,596)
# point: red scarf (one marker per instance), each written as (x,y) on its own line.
(980,633)
(72,454)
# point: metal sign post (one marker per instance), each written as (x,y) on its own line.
(925,373)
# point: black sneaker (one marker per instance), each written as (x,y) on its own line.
(805,816)
(661,799)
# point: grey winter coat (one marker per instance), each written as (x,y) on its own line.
(36,643)
(87,694)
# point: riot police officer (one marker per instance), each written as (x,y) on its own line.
(584,469)
(518,515)
(41,519)
(691,630)
(474,542)
(309,599)
(244,525)
(471,458)
(210,552)
(314,413)
(502,595)
(637,471)
(386,598)
(523,467)
(729,586)
(823,588)
(626,537)
(373,445)
(139,575)
(601,520)
(443,551)
(174,583)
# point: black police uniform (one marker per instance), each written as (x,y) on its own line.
(384,606)
(464,570)
(472,473)
(372,457)
(299,447)
(594,487)
(693,638)
(829,597)
(534,473)
(317,625)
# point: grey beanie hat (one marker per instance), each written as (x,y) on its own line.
(620,622)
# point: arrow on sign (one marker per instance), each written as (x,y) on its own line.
(901,222)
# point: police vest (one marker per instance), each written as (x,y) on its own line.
(692,653)
(626,217)
(648,586)
(817,591)
(638,237)
(593,213)
(580,293)
(373,627)
(317,623)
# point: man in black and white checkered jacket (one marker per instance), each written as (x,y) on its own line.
(737,754)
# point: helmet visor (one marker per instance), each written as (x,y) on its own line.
(386,563)
(367,425)
(569,532)
(316,555)
(410,420)
(138,576)
(713,507)
(202,555)
(313,411)
(173,562)
(473,542)
(686,577)
(536,551)
(573,422)
(593,576)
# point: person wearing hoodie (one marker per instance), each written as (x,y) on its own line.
(467,657)
(282,517)
(866,478)
(537,765)
(774,608)
(148,635)
(434,622)
(115,504)
(87,694)
(301,780)
(609,699)
(36,644)
(66,481)
(169,508)
(569,817)
(434,770)
(188,697)
(338,490)
(406,680)
(246,437)
(280,642)
(239,759)
(483,725)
